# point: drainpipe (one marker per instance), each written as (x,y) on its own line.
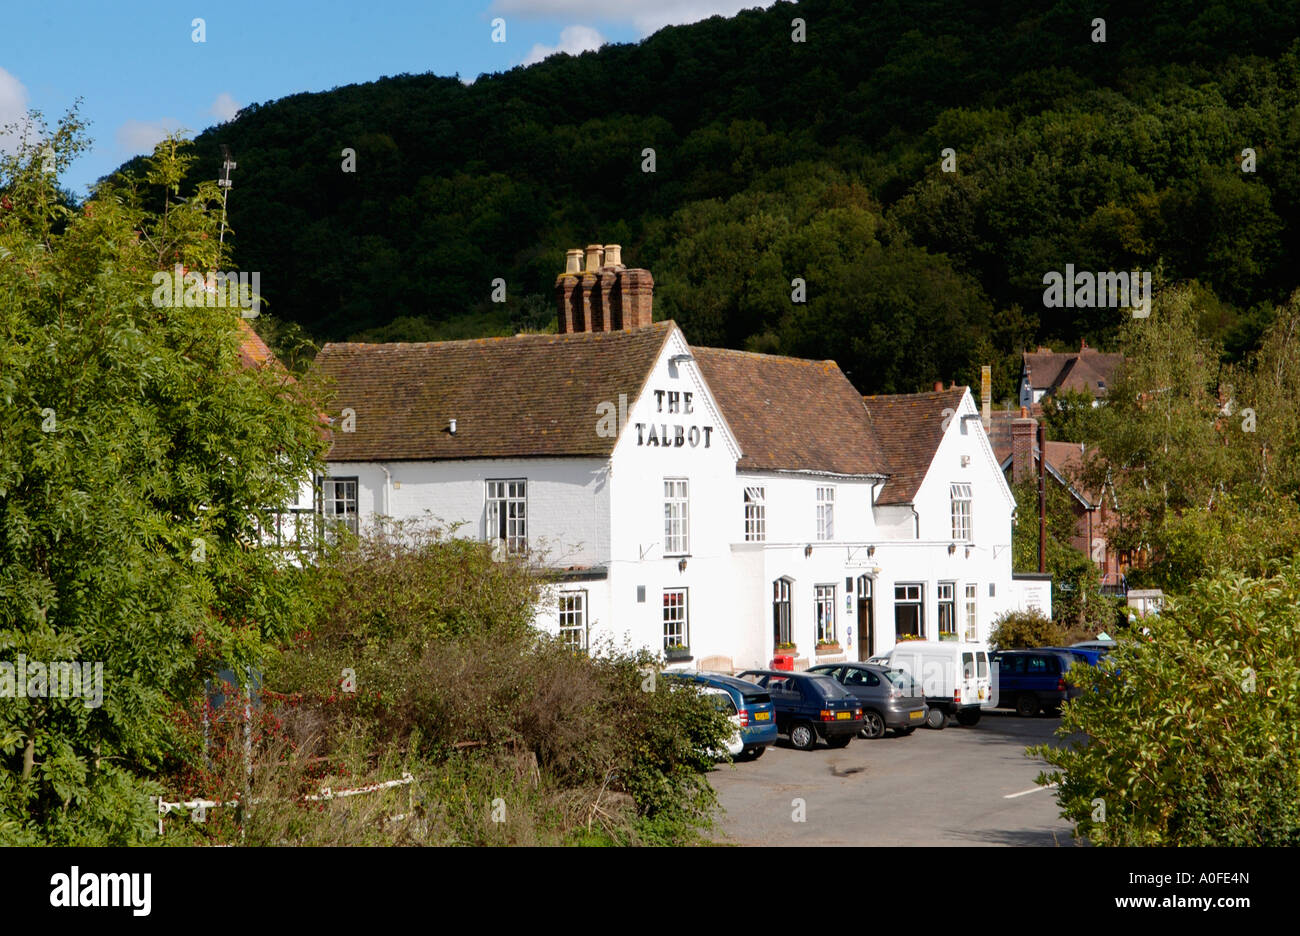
(916,518)
(388,480)
(1042,498)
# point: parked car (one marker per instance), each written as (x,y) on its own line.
(754,708)
(1030,680)
(1103,646)
(953,676)
(809,705)
(1085,654)
(733,745)
(890,698)
(721,698)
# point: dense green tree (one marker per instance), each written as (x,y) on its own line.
(1117,156)
(137,459)
(1190,733)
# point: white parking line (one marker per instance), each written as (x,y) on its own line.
(1027,792)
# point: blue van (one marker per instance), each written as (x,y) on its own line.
(1030,680)
(753,704)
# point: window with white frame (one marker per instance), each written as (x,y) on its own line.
(825,513)
(507,514)
(961,514)
(573,619)
(755,515)
(677,517)
(295,528)
(676,619)
(909,610)
(947,612)
(824,609)
(971,612)
(338,504)
(781,627)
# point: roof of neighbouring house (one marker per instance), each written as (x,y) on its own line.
(253,351)
(791,414)
(1065,463)
(530,395)
(1087,369)
(1000,431)
(909,427)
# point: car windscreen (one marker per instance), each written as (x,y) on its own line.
(756,698)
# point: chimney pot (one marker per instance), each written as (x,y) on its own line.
(573,260)
(595,255)
(613,255)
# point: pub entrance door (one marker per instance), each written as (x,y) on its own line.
(866,620)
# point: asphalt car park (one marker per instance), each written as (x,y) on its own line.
(960,786)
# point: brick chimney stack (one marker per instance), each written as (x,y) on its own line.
(604,295)
(1022,446)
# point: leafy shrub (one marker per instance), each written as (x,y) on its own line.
(456,683)
(1015,629)
(1192,734)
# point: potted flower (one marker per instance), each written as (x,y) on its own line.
(902,637)
(787,647)
(828,646)
(676,653)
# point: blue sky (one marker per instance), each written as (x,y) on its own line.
(139,71)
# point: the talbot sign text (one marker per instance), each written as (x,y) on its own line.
(676,435)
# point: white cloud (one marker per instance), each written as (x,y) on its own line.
(573,39)
(224,107)
(646,15)
(139,136)
(13,106)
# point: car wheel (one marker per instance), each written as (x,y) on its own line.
(1026,705)
(937,719)
(803,736)
(969,717)
(873,726)
(839,741)
(757,752)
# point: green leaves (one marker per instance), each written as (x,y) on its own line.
(126,431)
(1180,748)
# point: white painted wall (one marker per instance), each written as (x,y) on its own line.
(590,512)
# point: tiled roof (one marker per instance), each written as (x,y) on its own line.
(791,414)
(909,428)
(253,351)
(1000,432)
(1080,370)
(531,395)
(1067,460)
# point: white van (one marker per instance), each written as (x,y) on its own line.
(954,677)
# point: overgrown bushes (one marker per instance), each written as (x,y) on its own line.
(422,659)
(1192,733)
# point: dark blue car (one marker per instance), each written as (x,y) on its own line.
(1030,680)
(754,705)
(1090,656)
(809,705)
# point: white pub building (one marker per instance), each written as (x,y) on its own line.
(717,506)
